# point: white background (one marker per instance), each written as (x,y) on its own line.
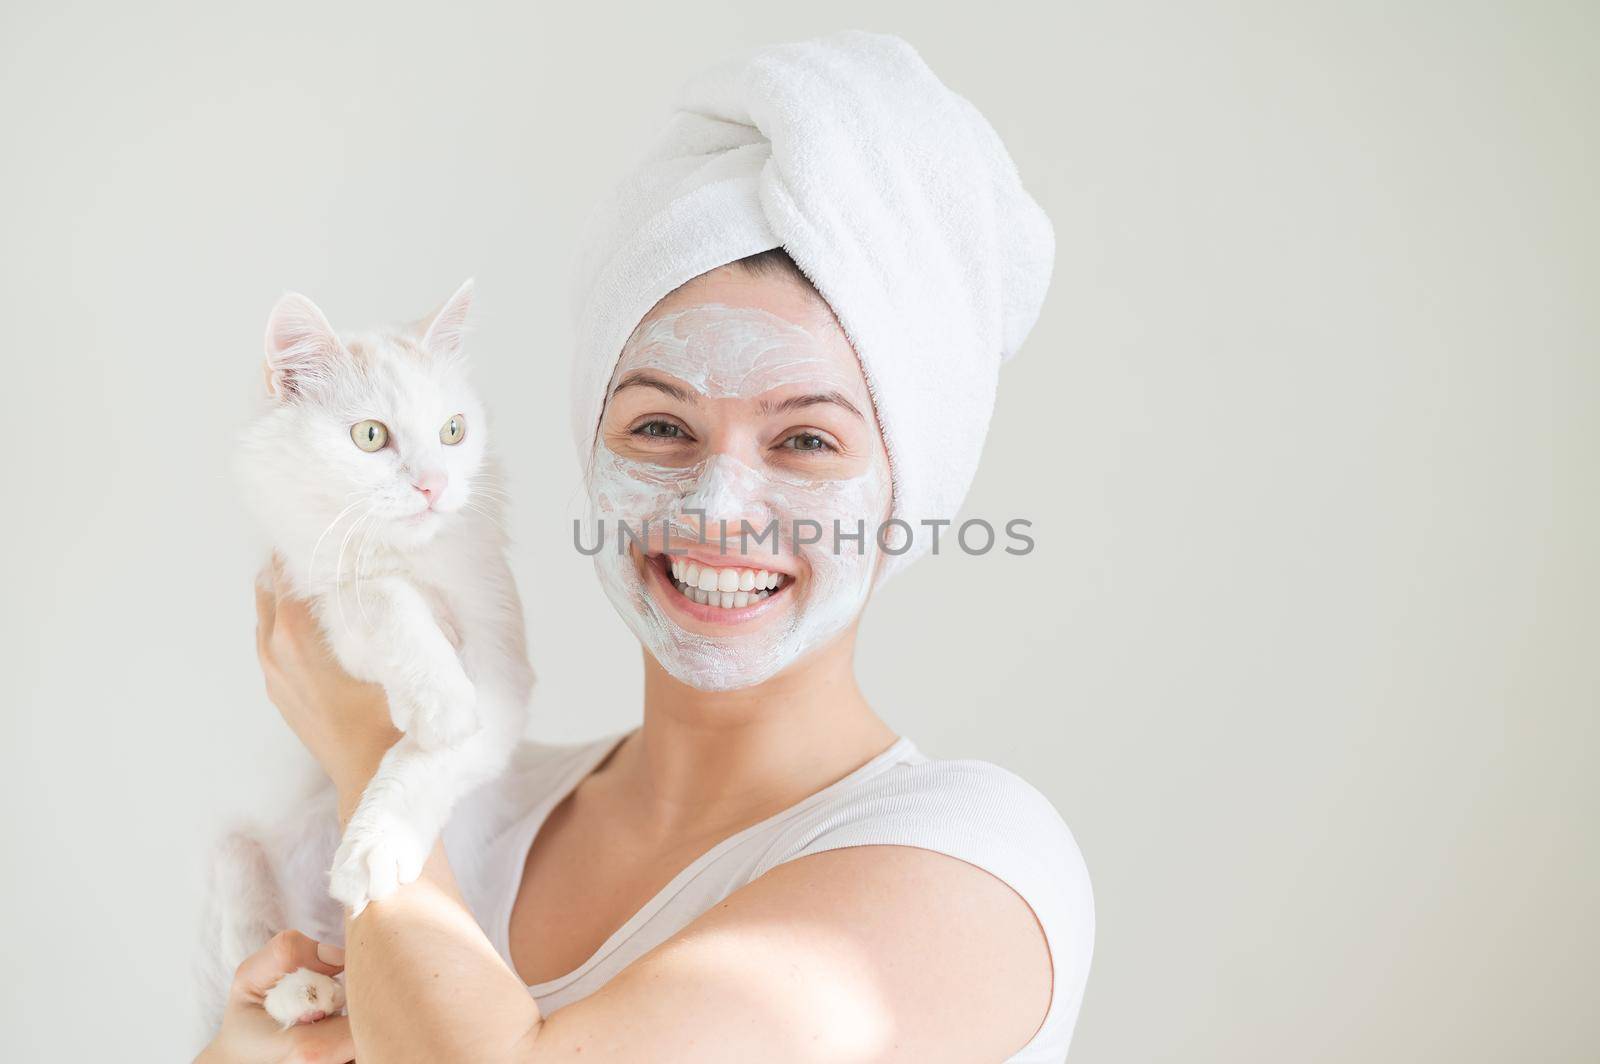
(1306,654)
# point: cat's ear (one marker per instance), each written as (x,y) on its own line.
(444,334)
(301,346)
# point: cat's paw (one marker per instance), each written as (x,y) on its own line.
(374,861)
(303,996)
(438,715)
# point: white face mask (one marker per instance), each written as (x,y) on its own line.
(722,352)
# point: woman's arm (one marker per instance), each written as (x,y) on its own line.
(875,952)
(425,984)
(871,953)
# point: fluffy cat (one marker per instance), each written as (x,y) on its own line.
(369,471)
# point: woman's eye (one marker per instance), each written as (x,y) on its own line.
(453,431)
(807,441)
(661,430)
(370,435)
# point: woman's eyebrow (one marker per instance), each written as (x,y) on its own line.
(645,379)
(801,401)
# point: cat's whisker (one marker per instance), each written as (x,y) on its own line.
(493,517)
(488,493)
(368,539)
(358,541)
(338,572)
(312,567)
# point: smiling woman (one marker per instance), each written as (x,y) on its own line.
(735,428)
(763,869)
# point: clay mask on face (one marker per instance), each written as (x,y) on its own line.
(738,353)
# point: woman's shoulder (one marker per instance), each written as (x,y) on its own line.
(975,806)
(980,813)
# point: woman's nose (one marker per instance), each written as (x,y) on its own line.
(726,490)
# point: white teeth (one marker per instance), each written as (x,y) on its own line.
(707,578)
(729,589)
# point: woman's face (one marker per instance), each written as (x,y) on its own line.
(741,472)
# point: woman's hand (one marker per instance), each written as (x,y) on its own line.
(250,1036)
(342,721)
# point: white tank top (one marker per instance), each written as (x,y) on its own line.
(971,810)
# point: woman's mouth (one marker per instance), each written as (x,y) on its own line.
(729,594)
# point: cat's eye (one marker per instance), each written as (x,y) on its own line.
(370,435)
(453,431)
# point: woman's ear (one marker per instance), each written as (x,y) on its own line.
(445,334)
(301,346)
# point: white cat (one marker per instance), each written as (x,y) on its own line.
(369,471)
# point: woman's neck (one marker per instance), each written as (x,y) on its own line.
(705,759)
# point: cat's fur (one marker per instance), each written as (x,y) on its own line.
(424,606)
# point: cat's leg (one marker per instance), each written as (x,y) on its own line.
(389,634)
(243,909)
(404,808)
(264,881)
(311,838)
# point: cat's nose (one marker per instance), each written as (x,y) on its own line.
(431,482)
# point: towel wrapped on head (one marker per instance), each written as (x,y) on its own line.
(892,194)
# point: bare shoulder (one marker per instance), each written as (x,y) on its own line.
(880,953)
(915,918)
(949,957)
(984,868)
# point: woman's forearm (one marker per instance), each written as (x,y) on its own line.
(356,764)
(425,984)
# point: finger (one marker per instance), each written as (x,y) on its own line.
(327,1041)
(288,951)
(266,607)
(296,629)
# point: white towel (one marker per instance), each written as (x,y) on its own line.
(892,194)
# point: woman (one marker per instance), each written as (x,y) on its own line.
(763,869)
